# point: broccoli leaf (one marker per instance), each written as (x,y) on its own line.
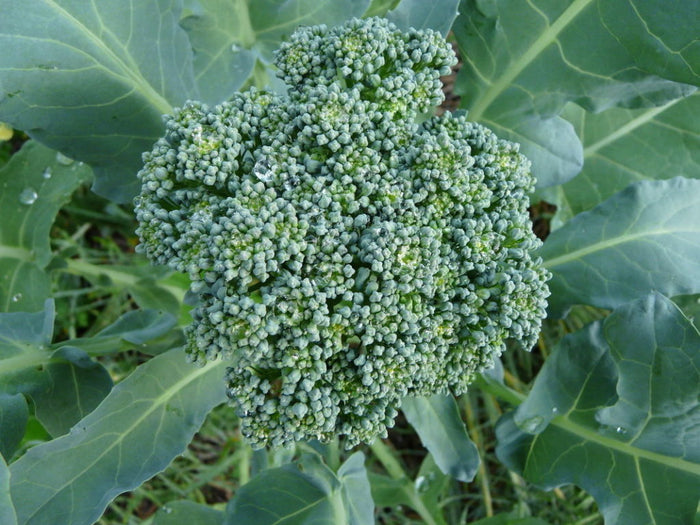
(7,510)
(380,7)
(35,184)
(643,238)
(228,36)
(65,384)
(651,32)
(510,74)
(616,410)
(437,15)
(437,421)
(14,413)
(305,493)
(93,83)
(155,412)
(612,141)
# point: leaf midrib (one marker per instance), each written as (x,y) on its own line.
(625,448)
(603,245)
(540,44)
(628,128)
(156,404)
(155,98)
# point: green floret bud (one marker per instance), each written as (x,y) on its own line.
(346,251)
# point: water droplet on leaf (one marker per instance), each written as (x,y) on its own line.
(235,48)
(422,484)
(62,159)
(47,173)
(166,510)
(16,298)
(28,196)
(621,430)
(532,424)
(555,410)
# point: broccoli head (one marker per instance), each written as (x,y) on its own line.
(346,248)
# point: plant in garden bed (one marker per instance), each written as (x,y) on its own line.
(601,96)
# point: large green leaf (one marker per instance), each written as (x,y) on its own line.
(228,36)
(668,136)
(14,414)
(307,493)
(419,14)
(661,35)
(439,425)
(647,237)
(7,510)
(146,330)
(35,184)
(525,60)
(219,30)
(380,7)
(616,410)
(92,80)
(138,429)
(65,384)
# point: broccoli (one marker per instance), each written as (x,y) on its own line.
(346,248)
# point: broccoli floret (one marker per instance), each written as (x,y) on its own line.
(347,250)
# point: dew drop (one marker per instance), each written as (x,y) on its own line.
(262,170)
(422,485)
(62,159)
(28,196)
(532,424)
(16,298)
(47,173)
(621,430)
(166,510)
(235,48)
(555,410)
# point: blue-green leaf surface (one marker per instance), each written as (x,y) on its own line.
(64,384)
(647,237)
(188,512)
(145,421)
(14,414)
(528,59)
(380,7)
(146,330)
(357,495)
(7,510)
(419,14)
(219,31)
(68,388)
(305,493)
(93,79)
(228,36)
(439,425)
(661,35)
(616,410)
(34,184)
(669,136)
